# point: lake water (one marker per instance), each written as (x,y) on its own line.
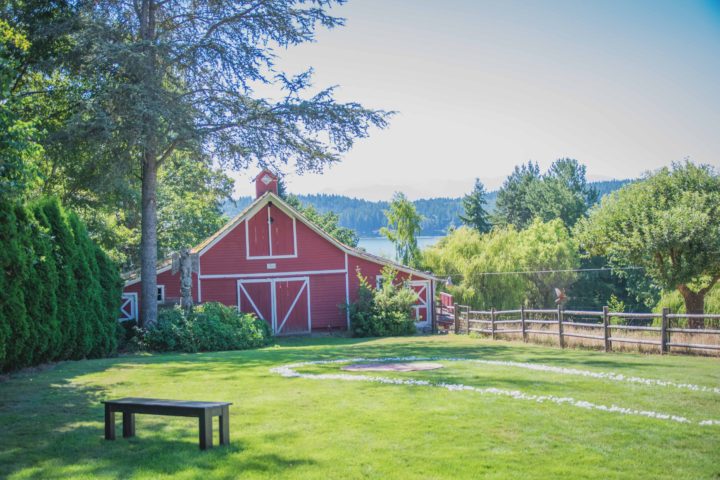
(384,247)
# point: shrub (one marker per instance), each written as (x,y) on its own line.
(209,327)
(385,311)
(59,294)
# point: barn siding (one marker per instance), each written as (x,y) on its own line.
(222,290)
(172,286)
(327,297)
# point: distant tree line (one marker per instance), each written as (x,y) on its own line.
(366,217)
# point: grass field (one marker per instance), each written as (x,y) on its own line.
(326,427)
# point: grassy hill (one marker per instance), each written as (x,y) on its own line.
(366,217)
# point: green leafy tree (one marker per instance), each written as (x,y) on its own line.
(474,213)
(404,224)
(562,192)
(669,224)
(190,197)
(175,76)
(17,136)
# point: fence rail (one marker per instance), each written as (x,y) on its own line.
(532,321)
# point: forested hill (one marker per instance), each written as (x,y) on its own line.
(366,217)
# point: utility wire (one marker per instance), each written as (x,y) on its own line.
(526,272)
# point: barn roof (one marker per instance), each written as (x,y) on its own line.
(206,244)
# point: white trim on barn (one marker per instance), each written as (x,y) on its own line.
(425,284)
(347,292)
(274,274)
(129,307)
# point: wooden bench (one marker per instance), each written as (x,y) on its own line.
(204,411)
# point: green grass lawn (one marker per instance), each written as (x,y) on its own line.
(51,422)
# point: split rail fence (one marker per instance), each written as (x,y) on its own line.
(601,328)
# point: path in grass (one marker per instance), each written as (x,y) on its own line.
(291,371)
(51,421)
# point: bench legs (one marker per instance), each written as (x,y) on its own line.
(128,424)
(205,424)
(109,423)
(224,424)
(206,436)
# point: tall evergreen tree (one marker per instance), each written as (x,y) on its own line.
(512,206)
(475,215)
(166,76)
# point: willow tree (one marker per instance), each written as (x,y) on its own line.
(172,75)
(669,224)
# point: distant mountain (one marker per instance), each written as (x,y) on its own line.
(366,217)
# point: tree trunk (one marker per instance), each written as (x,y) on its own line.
(148,241)
(694,304)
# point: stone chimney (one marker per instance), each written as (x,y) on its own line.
(266,181)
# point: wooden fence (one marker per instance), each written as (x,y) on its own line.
(601,328)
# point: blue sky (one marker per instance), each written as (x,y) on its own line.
(623,86)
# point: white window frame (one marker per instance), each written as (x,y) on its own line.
(160,293)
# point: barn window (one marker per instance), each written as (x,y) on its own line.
(160,293)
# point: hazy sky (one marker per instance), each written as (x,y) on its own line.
(480,86)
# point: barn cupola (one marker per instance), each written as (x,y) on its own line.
(266,181)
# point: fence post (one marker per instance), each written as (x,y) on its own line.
(606,329)
(492,323)
(456,315)
(467,319)
(560,326)
(522,322)
(663,331)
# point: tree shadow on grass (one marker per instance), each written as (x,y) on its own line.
(53,428)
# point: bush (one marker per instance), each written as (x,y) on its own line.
(59,293)
(385,311)
(209,327)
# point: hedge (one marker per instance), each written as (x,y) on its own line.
(59,292)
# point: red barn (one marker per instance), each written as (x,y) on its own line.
(271,261)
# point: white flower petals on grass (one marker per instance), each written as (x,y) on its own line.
(290,371)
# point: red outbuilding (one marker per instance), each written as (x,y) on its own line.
(272,261)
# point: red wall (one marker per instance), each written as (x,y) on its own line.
(172,286)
